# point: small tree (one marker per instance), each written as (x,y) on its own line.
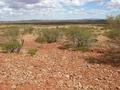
(110,21)
(113,22)
(114,32)
(113,54)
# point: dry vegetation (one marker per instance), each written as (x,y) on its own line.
(62,57)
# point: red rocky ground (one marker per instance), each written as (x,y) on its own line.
(55,69)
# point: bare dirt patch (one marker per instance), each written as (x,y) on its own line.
(55,69)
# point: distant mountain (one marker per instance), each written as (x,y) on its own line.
(83,21)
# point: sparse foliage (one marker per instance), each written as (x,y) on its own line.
(12,33)
(113,22)
(114,33)
(11,46)
(28,30)
(32,52)
(48,35)
(80,38)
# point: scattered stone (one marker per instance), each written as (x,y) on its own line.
(67,76)
(56,68)
(80,85)
(118,71)
(13,87)
(118,87)
(88,65)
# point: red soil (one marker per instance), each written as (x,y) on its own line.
(55,69)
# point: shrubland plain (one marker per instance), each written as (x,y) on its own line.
(60,57)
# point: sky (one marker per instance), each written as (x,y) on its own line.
(11,10)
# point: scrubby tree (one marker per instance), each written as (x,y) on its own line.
(113,22)
(13,44)
(48,35)
(80,38)
(114,32)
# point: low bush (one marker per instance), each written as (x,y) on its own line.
(80,38)
(113,22)
(12,33)
(114,26)
(114,34)
(48,35)
(10,42)
(112,55)
(11,46)
(32,52)
(28,30)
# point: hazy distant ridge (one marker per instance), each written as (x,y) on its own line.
(84,21)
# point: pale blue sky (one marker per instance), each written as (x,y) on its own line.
(57,9)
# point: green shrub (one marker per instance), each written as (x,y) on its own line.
(114,34)
(48,35)
(114,26)
(28,30)
(12,33)
(80,38)
(11,46)
(113,22)
(32,52)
